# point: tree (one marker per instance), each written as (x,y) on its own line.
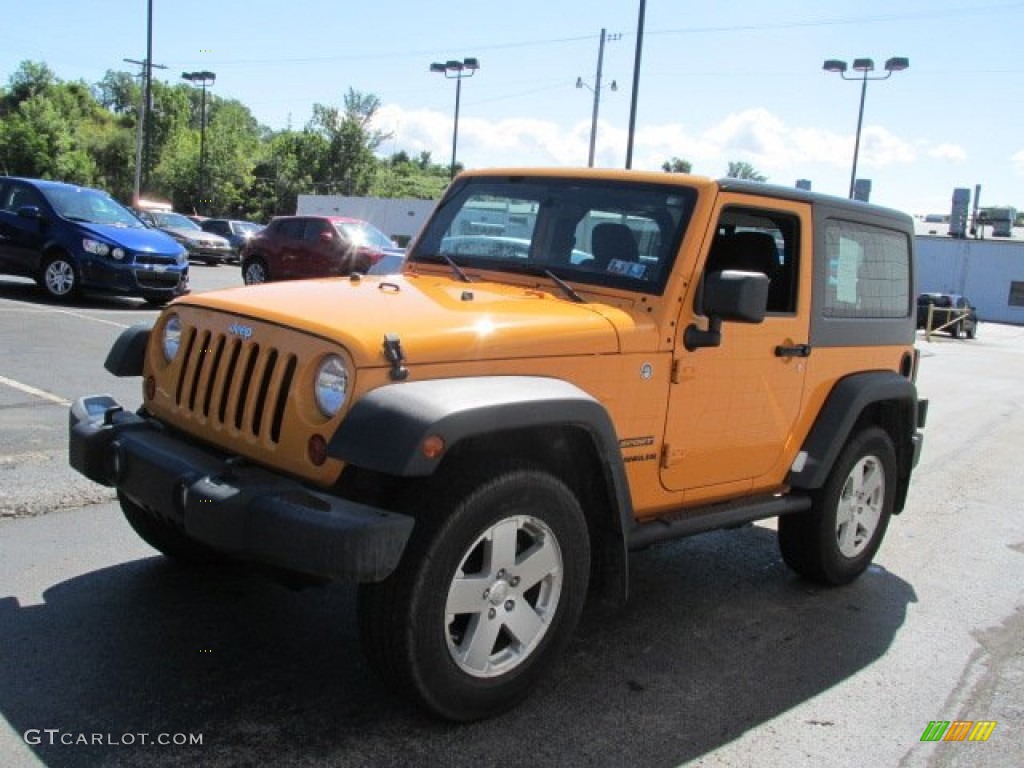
(118,92)
(350,164)
(43,135)
(677,165)
(290,160)
(742,170)
(29,79)
(401,176)
(232,150)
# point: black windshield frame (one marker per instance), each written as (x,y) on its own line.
(528,224)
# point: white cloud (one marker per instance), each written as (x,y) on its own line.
(952,152)
(1018,162)
(757,136)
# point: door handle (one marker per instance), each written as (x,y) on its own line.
(797,350)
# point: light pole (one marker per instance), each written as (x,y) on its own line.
(636,82)
(864,66)
(597,93)
(456,70)
(203,79)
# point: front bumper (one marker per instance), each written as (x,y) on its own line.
(143,278)
(247,511)
(209,253)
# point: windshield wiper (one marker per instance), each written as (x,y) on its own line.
(567,289)
(456,268)
(539,271)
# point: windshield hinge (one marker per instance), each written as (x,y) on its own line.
(394,355)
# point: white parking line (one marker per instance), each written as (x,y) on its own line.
(30,390)
(68,312)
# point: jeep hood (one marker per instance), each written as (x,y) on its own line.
(437,319)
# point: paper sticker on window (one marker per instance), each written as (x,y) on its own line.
(847,270)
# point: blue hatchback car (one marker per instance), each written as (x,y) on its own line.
(71,238)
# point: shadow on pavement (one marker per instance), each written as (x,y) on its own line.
(718,638)
(29,293)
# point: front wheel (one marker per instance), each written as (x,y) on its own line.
(59,277)
(486,597)
(255,272)
(835,541)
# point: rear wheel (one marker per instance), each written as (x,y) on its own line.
(166,537)
(486,597)
(835,541)
(58,277)
(254,272)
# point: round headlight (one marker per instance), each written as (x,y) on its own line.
(117,253)
(172,337)
(331,385)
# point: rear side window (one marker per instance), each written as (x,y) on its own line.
(17,196)
(291,229)
(868,271)
(314,228)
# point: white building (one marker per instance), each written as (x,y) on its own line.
(399,219)
(988,271)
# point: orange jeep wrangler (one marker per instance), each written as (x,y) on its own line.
(572,364)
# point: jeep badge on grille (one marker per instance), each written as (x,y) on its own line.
(242,331)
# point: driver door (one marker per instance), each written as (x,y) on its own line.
(733,407)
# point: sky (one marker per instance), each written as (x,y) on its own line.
(717,82)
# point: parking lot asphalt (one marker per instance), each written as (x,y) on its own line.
(721,658)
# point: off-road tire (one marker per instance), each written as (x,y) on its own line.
(505,553)
(835,541)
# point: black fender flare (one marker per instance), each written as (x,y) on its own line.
(838,416)
(128,354)
(385,429)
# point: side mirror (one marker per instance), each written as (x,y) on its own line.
(30,212)
(729,296)
(326,237)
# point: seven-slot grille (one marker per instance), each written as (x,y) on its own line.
(237,384)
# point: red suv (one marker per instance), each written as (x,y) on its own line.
(294,247)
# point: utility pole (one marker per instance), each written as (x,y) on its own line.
(140,121)
(148,91)
(597,93)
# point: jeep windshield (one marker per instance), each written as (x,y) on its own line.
(615,234)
